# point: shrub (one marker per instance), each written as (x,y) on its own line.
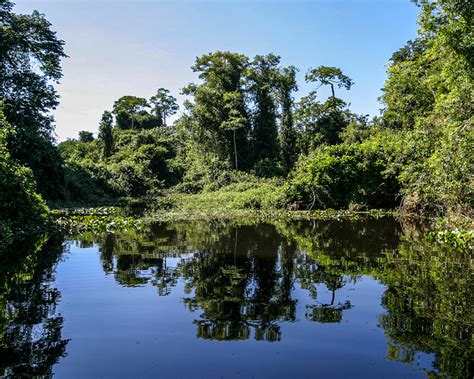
(437,168)
(339,176)
(140,164)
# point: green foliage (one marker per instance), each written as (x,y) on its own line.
(140,164)
(235,111)
(242,123)
(320,123)
(105,133)
(163,105)
(30,56)
(429,93)
(233,200)
(219,119)
(85,136)
(96,224)
(22,211)
(206,172)
(326,75)
(454,238)
(344,175)
(288,136)
(130,113)
(81,186)
(262,76)
(437,169)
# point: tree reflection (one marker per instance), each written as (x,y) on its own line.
(30,330)
(240,293)
(429,303)
(240,280)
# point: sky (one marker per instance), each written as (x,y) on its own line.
(120,47)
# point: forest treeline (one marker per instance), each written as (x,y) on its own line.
(241,130)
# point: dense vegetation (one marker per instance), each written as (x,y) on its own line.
(22,210)
(242,138)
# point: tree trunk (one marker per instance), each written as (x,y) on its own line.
(332,90)
(235,153)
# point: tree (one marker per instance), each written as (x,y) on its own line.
(129,111)
(407,94)
(451,20)
(428,96)
(22,210)
(320,123)
(323,122)
(163,105)
(105,133)
(327,75)
(235,121)
(121,162)
(85,136)
(262,77)
(218,118)
(30,57)
(287,85)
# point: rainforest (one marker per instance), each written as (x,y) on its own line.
(248,230)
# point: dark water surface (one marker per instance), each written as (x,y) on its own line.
(312,299)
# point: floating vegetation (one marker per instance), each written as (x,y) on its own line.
(99,211)
(96,220)
(460,240)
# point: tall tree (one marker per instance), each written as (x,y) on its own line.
(85,136)
(327,75)
(449,20)
(433,73)
(323,122)
(163,105)
(406,94)
(127,111)
(22,211)
(218,116)
(262,76)
(30,57)
(429,94)
(105,133)
(286,86)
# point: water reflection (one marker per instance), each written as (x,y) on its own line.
(245,282)
(240,280)
(30,330)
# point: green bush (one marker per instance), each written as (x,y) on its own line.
(437,168)
(141,163)
(346,175)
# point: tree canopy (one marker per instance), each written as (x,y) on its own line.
(30,62)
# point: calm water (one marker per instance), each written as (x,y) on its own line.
(306,299)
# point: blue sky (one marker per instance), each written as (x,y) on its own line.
(134,47)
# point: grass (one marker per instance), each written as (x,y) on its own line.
(246,201)
(241,201)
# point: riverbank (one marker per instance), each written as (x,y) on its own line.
(453,231)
